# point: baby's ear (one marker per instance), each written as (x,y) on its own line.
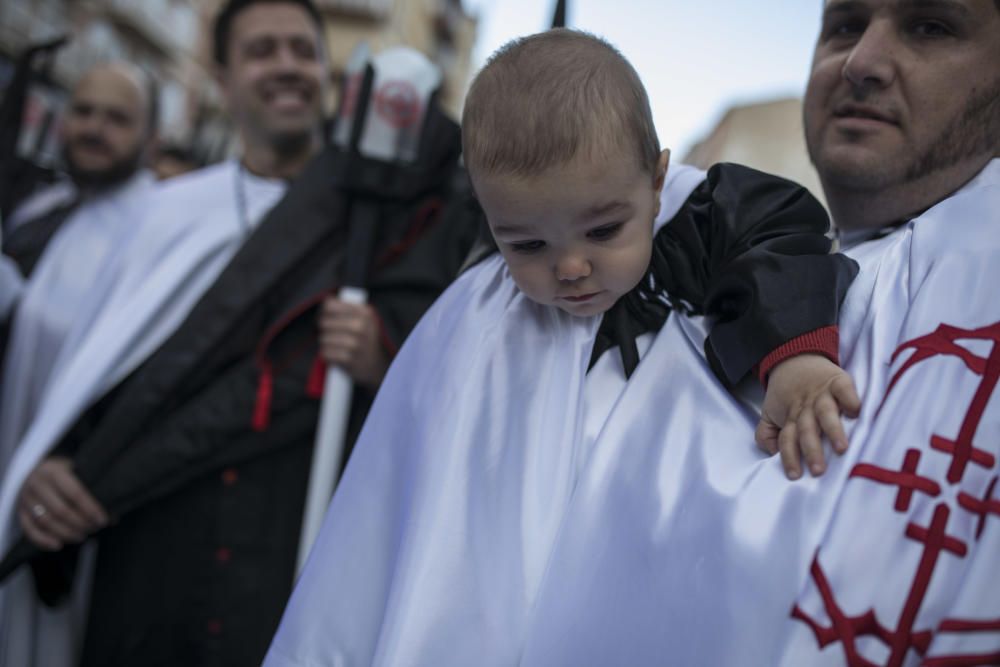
(661,169)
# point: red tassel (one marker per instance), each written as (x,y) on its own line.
(262,408)
(317,378)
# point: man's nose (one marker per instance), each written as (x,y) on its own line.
(285,58)
(872,61)
(572,267)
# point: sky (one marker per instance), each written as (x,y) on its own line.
(697,58)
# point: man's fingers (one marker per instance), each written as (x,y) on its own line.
(57,510)
(339,344)
(55,523)
(788,447)
(828,414)
(343,326)
(67,509)
(85,504)
(334,307)
(846,395)
(810,442)
(36,534)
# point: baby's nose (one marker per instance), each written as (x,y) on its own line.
(572,268)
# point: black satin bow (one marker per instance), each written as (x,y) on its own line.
(643,310)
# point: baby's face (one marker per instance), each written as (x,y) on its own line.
(579,235)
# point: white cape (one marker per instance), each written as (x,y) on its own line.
(11,286)
(192,230)
(80,267)
(467,531)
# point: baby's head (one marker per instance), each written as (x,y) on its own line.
(559,142)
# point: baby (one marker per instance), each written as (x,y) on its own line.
(543,375)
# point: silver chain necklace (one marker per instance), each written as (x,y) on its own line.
(242,210)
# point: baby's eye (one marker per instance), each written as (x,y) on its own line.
(606,232)
(527,246)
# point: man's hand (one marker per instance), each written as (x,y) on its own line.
(54,507)
(349,338)
(805,397)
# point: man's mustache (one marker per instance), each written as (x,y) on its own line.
(91,141)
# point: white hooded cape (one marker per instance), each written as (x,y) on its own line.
(475,526)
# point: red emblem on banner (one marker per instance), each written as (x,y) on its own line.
(397,103)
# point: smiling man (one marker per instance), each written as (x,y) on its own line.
(272,72)
(187,415)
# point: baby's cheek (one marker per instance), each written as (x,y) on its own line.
(634,265)
(528,281)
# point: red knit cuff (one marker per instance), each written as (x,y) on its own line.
(825,341)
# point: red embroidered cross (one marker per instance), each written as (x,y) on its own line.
(942,342)
(962,625)
(907,480)
(981,507)
(970,660)
(846,629)
(934,538)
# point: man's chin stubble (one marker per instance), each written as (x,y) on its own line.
(291,144)
(103,179)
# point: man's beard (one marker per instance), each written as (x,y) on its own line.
(101,179)
(291,143)
(974,131)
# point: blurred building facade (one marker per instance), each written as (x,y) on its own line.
(172,39)
(766,136)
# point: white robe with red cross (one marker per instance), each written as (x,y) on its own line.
(515,531)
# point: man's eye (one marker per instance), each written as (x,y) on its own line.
(527,246)
(304,49)
(606,232)
(119,118)
(81,110)
(844,29)
(931,28)
(260,48)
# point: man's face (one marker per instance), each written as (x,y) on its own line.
(903,92)
(104,132)
(275,74)
(578,236)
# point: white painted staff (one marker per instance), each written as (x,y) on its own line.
(381,116)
